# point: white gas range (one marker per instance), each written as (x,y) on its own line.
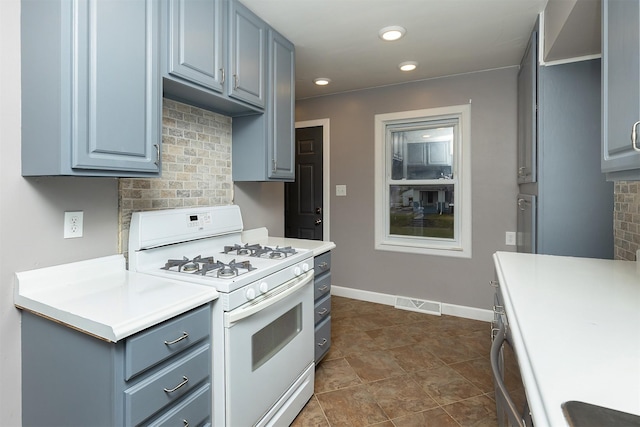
(263,320)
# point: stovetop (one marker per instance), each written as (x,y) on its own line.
(244,259)
(204,246)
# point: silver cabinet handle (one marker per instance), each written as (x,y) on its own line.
(501,393)
(223,76)
(522,171)
(184,336)
(185,380)
(323,288)
(522,204)
(498,309)
(494,283)
(323,266)
(321,344)
(634,136)
(235,81)
(323,311)
(186,423)
(157,162)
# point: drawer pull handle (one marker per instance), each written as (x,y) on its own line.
(171,390)
(186,423)
(323,288)
(323,266)
(321,344)
(494,283)
(323,311)
(177,340)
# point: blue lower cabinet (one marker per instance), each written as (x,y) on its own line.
(322,307)
(73,379)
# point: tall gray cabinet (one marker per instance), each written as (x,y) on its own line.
(565,205)
(91,89)
(621,89)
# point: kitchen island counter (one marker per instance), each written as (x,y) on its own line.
(101,298)
(575,325)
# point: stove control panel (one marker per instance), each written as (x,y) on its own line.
(267,284)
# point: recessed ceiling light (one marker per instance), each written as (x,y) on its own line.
(408,66)
(322,81)
(391,33)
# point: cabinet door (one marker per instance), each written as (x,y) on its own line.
(526,236)
(527,112)
(281,106)
(621,83)
(196,41)
(247,56)
(116,89)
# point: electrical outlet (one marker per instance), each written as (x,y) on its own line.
(73,224)
(510,238)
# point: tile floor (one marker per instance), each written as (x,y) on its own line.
(389,367)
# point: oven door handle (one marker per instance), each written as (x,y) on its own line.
(278,294)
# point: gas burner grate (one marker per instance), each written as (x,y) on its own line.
(204,265)
(187,265)
(246,249)
(274,253)
(259,251)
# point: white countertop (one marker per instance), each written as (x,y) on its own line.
(261,236)
(575,326)
(101,298)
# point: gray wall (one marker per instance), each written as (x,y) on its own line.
(493,139)
(31,215)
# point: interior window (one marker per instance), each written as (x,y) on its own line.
(423,186)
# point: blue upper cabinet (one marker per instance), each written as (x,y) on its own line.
(528,112)
(263,144)
(195,37)
(247,56)
(214,55)
(91,90)
(620,89)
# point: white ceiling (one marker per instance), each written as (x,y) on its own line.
(339,39)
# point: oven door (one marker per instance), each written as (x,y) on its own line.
(268,345)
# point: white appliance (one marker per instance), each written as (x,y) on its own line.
(263,348)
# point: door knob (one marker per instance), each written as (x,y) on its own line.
(318,221)
(318,211)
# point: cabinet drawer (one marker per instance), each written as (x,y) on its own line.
(322,309)
(194,410)
(322,338)
(322,263)
(321,286)
(167,385)
(160,342)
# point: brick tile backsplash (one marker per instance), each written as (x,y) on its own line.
(196,166)
(626,219)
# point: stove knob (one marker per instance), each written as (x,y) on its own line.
(305,267)
(297,271)
(250,294)
(264,287)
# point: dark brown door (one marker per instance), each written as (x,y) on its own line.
(303,197)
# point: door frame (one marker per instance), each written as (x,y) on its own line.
(326,191)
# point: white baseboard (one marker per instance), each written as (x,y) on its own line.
(380,298)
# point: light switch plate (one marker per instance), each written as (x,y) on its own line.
(73,222)
(341,190)
(510,238)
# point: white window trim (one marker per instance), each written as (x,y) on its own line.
(461,247)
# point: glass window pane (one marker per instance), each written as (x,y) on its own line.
(422,210)
(422,153)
